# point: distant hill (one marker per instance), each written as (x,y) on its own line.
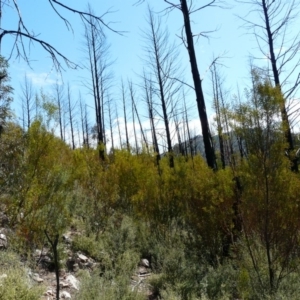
(197,145)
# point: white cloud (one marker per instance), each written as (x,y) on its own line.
(42,79)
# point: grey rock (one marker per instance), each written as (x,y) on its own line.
(3,241)
(67,238)
(82,258)
(49,292)
(144,262)
(36,277)
(65,295)
(64,284)
(73,281)
(142,271)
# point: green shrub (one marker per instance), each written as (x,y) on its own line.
(96,287)
(16,284)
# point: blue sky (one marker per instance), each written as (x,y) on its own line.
(127,49)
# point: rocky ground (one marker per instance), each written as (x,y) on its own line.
(69,283)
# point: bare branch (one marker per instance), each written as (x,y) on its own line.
(213,3)
(22,32)
(49,48)
(67,23)
(86,16)
(177,6)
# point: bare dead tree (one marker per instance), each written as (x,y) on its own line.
(24,37)
(71,116)
(227,155)
(242,144)
(280,44)
(190,141)
(162,62)
(135,111)
(87,128)
(149,101)
(119,129)
(59,95)
(186,11)
(131,91)
(125,117)
(223,111)
(111,124)
(27,102)
(79,132)
(184,131)
(217,106)
(82,119)
(177,129)
(99,65)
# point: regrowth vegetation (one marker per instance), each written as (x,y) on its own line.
(182,217)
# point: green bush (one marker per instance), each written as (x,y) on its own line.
(16,284)
(96,287)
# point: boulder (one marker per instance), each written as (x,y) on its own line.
(144,262)
(3,241)
(36,277)
(82,258)
(65,295)
(73,281)
(49,292)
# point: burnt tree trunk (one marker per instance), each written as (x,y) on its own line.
(209,150)
(125,118)
(284,115)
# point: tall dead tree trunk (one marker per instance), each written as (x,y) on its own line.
(177,130)
(58,89)
(71,118)
(87,141)
(162,61)
(282,51)
(119,129)
(133,123)
(284,115)
(98,51)
(82,120)
(27,102)
(137,114)
(111,125)
(149,101)
(190,142)
(216,95)
(209,150)
(98,106)
(141,127)
(125,118)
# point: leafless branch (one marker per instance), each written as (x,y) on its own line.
(67,23)
(22,32)
(86,16)
(54,53)
(213,3)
